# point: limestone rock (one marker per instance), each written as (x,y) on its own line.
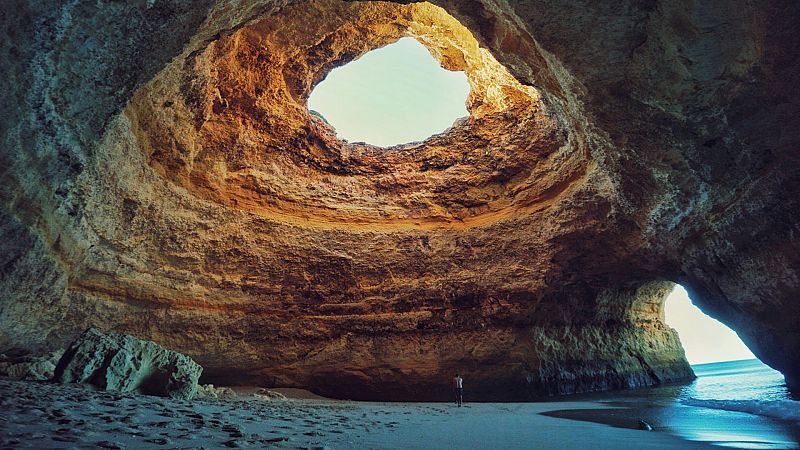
(209,392)
(43,368)
(127,364)
(29,367)
(170,182)
(270,395)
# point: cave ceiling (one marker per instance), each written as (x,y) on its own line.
(163,177)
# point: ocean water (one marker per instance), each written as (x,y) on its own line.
(733,404)
(746,386)
(739,404)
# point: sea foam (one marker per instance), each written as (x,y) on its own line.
(782,409)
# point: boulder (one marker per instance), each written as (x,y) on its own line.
(126,364)
(269,395)
(209,392)
(43,367)
(29,367)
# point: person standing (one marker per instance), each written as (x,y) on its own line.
(459,386)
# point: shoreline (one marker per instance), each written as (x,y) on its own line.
(720,428)
(68,416)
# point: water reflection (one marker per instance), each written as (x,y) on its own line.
(718,408)
(737,380)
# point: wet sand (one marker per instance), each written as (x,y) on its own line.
(43,415)
(717,427)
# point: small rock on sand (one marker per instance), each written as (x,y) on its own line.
(209,392)
(270,395)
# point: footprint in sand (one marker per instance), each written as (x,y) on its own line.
(232,430)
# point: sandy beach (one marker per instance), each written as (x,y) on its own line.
(43,415)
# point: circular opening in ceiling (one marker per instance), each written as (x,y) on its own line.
(393,95)
(233,124)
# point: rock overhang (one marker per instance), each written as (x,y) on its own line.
(533,270)
(253,144)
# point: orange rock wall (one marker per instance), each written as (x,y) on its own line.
(163,178)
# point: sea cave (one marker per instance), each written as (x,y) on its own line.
(164,177)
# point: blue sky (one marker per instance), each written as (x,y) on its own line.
(393,95)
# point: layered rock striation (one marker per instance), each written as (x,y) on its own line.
(163,177)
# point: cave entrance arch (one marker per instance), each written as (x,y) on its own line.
(704,339)
(391,95)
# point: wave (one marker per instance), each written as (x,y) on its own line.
(781,409)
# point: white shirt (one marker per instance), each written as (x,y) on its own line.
(459,382)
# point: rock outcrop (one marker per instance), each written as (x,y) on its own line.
(269,395)
(162,176)
(209,392)
(126,364)
(20,365)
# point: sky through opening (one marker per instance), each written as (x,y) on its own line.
(704,339)
(393,95)
(399,94)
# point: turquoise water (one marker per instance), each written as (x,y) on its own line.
(734,404)
(741,381)
(741,404)
(746,403)
(738,404)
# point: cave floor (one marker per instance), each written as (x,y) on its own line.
(43,415)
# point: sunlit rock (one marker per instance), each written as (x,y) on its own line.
(162,176)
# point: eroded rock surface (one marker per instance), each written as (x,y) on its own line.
(270,395)
(20,365)
(209,392)
(125,364)
(163,177)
